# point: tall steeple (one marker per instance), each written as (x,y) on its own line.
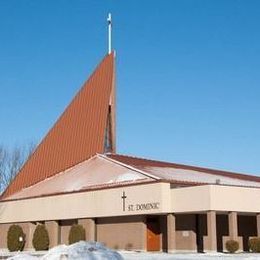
(86,127)
(110,135)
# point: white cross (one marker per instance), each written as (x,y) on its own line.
(109,20)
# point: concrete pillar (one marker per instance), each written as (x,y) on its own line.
(233,231)
(90,228)
(258,224)
(28,229)
(143,231)
(210,241)
(29,235)
(232,224)
(171,238)
(53,231)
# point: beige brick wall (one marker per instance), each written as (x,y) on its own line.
(3,235)
(186,233)
(28,229)
(122,232)
(65,226)
(53,229)
(90,228)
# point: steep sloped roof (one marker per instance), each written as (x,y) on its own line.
(186,173)
(77,135)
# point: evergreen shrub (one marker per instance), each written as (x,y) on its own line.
(77,233)
(41,239)
(254,244)
(232,246)
(15,238)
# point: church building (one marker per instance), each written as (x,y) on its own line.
(76,176)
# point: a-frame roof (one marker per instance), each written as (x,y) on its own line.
(77,135)
(104,171)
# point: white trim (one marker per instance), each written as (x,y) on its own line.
(109,20)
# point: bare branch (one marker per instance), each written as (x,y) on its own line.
(11,161)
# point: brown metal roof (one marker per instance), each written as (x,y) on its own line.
(77,135)
(89,173)
(124,170)
(145,164)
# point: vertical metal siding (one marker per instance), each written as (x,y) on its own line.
(76,136)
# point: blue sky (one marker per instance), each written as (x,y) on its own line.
(188,81)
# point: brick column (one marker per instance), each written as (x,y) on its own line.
(29,235)
(53,231)
(144,234)
(90,227)
(233,231)
(28,229)
(258,224)
(232,224)
(210,241)
(171,239)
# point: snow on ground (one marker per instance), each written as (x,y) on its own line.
(188,256)
(97,251)
(78,251)
(22,256)
(82,250)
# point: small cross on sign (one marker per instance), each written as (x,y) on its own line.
(123,198)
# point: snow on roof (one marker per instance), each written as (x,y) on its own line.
(104,171)
(168,173)
(186,173)
(93,172)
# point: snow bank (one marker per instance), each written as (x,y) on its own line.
(78,251)
(82,250)
(23,256)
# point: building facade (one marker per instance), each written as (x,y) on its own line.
(75,176)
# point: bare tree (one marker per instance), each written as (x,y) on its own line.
(11,161)
(3,160)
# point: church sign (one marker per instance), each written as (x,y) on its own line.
(144,206)
(139,206)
